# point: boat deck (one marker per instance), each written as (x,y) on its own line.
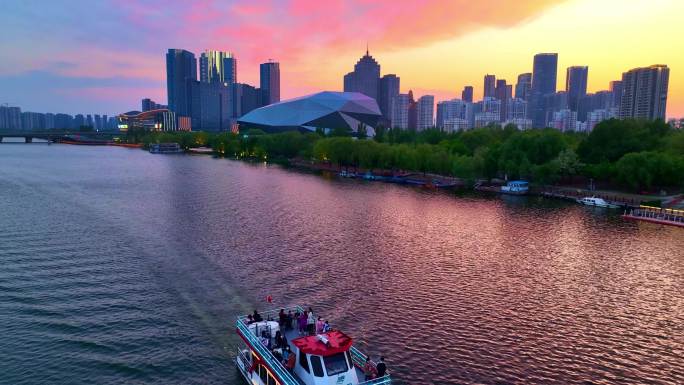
(291,333)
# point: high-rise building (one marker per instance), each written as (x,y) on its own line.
(412,112)
(50,121)
(601,100)
(553,103)
(616,91)
(64,121)
(467,94)
(400,111)
(489,86)
(389,89)
(245,99)
(32,121)
(181,71)
(576,85)
(79,121)
(523,87)
(451,109)
(426,112)
(269,81)
(516,109)
(218,67)
(564,120)
(503,92)
(364,78)
(597,116)
(10,118)
(644,92)
(211,106)
(148,104)
(544,77)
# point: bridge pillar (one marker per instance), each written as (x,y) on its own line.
(0,139)
(28,139)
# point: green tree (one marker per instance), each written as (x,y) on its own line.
(568,162)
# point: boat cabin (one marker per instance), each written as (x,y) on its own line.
(324,359)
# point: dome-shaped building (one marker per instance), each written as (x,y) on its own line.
(325,110)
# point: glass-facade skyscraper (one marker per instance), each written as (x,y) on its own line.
(389,89)
(523,87)
(576,85)
(364,78)
(489,86)
(181,70)
(467,94)
(544,77)
(218,67)
(270,82)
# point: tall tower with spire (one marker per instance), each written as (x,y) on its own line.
(365,77)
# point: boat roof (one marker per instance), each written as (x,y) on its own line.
(518,181)
(337,342)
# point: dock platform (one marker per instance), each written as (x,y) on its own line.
(657,215)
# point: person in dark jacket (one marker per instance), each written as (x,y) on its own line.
(381,367)
(257,317)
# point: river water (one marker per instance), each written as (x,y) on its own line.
(122,267)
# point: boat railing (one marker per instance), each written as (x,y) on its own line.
(274,364)
(665,214)
(359,360)
(243,356)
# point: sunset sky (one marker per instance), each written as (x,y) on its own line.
(103,56)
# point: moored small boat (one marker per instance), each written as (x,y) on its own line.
(516,187)
(347,174)
(165,148)
(596,202)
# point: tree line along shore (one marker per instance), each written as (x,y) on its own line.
(627,155)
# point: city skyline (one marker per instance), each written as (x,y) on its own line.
(122,68)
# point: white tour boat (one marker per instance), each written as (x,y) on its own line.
(597,202)
(327,358)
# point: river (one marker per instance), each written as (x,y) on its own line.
(122,267)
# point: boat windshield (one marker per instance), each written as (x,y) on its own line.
(335,364)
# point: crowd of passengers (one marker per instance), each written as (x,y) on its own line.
(307,324)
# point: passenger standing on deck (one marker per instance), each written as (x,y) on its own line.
(257,317)
(326,327)
(301,322)
(282,317)
(319,325)
(289,319)
(310,322)
(369,369)
(381,367)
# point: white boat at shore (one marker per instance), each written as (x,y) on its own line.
(596,202)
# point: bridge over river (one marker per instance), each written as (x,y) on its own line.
(56,135)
